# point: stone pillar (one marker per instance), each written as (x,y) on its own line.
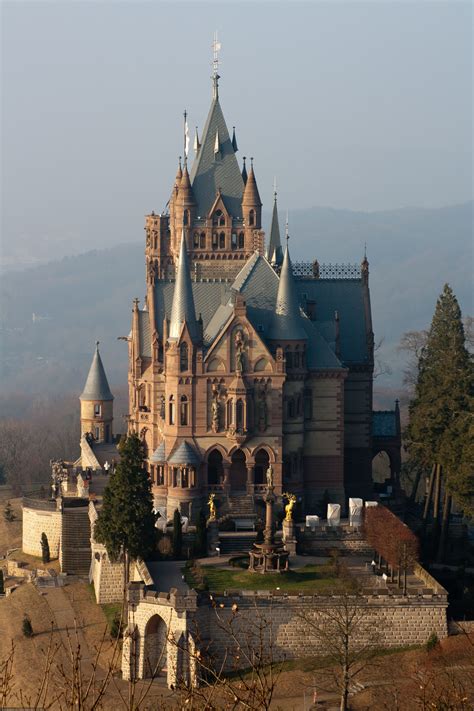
(212,537)
(289,537)
(250,479)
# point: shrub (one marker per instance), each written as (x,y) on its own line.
(177,535)
(45,554)
(116,627)
(8,514)
(26,627)
(431,642)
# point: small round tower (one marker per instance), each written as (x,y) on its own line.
(97,403)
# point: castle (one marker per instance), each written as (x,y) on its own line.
(240,359)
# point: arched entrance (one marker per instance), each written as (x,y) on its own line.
(215,470)
(155,646)
(381,468)
(262,461)
(238,471)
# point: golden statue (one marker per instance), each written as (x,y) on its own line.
(289,507)
(212,507)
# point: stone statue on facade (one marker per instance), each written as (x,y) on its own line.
(239,353)
(215,411)
(212,507)
(289,506)
(269,475)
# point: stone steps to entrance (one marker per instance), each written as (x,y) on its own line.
(230,543)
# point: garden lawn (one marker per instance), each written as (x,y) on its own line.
(310,579)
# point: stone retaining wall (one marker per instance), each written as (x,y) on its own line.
(40,520)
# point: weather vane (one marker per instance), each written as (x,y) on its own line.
(216,46)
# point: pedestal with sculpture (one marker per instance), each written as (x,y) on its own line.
(289,536)
(269,556)
(212,527)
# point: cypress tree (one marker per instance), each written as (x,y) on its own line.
(126,522)
(2,582)
(45,554)
(177,535)
(200,546)
(441,410)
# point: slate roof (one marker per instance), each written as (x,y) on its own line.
(287,319)
(384,423)
(258,283)
(184,454)
(274,250)
(96,387)
(212,171)
(159,455)
(183,309)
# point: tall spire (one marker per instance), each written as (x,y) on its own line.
(274,251)
(96,387)
(182,309)
(216,45)
(287,321)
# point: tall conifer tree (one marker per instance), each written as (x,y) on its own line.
(441,411)
(126,522)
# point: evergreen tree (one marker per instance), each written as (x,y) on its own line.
(126,522)
(177,535)
(200,546)
(2,582)
(45,548)
(26,626)
(8,514)
(3,476)
(441,411)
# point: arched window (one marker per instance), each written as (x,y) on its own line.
(252,217)
(234,240)
(241,240)
(218,219)
(196,239)
(222,240)
(183,356)
(183,410)
(202,240)
(229,413)
(288,357)
(239,415)
(171,410)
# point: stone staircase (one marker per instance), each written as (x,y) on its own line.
(75,553)
(231,543)
(241,506)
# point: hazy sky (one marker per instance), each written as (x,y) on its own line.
(354,105)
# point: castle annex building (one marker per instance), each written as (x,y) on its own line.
(240,359)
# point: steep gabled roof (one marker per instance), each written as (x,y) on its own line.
(182,310)
(216,169)
(96,387)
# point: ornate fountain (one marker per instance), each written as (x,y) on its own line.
(269,556)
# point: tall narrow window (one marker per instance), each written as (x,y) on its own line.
(252,217)
(234,240)
(222,240)
(241,240)
(229,412)
(97,434)
(183,356)
(308,404)
(107,433)
(186,217)
(97,410)
(171,410)
(214,240)
(196,240)
(239,415)
(184,406)
(202,240)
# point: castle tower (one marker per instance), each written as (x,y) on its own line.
(97,402)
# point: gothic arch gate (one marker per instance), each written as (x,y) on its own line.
(238,472)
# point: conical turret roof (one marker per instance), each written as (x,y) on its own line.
(274,251)
(185,189)
(96,387)
(251,195)
(287,319)
(182,309)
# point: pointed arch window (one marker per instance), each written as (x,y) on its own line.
(184,411)
(214,240)
(196,240)
(251,217)
(239,415)
(241,240)
(222,240)
(234,240)
(218,219)
(229,412)
(202,240)
(183,356)
(171,410)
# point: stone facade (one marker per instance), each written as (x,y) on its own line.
(41,517)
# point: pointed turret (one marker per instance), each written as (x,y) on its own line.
(186,196)
(197,144)
(97,403)
(182,309)
(234,140)
(96,387)
(287,321)
(251,203)
(244,171)
(274,250)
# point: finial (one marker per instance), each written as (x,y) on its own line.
(365,251)
(179,162)
(97,345)
(275,188)
(216,46)
(251,162)
(185,136)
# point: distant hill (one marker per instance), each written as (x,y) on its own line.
(81,299)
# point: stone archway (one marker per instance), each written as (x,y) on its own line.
(155,646)
(262,461)
(215,469)
(238,471)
